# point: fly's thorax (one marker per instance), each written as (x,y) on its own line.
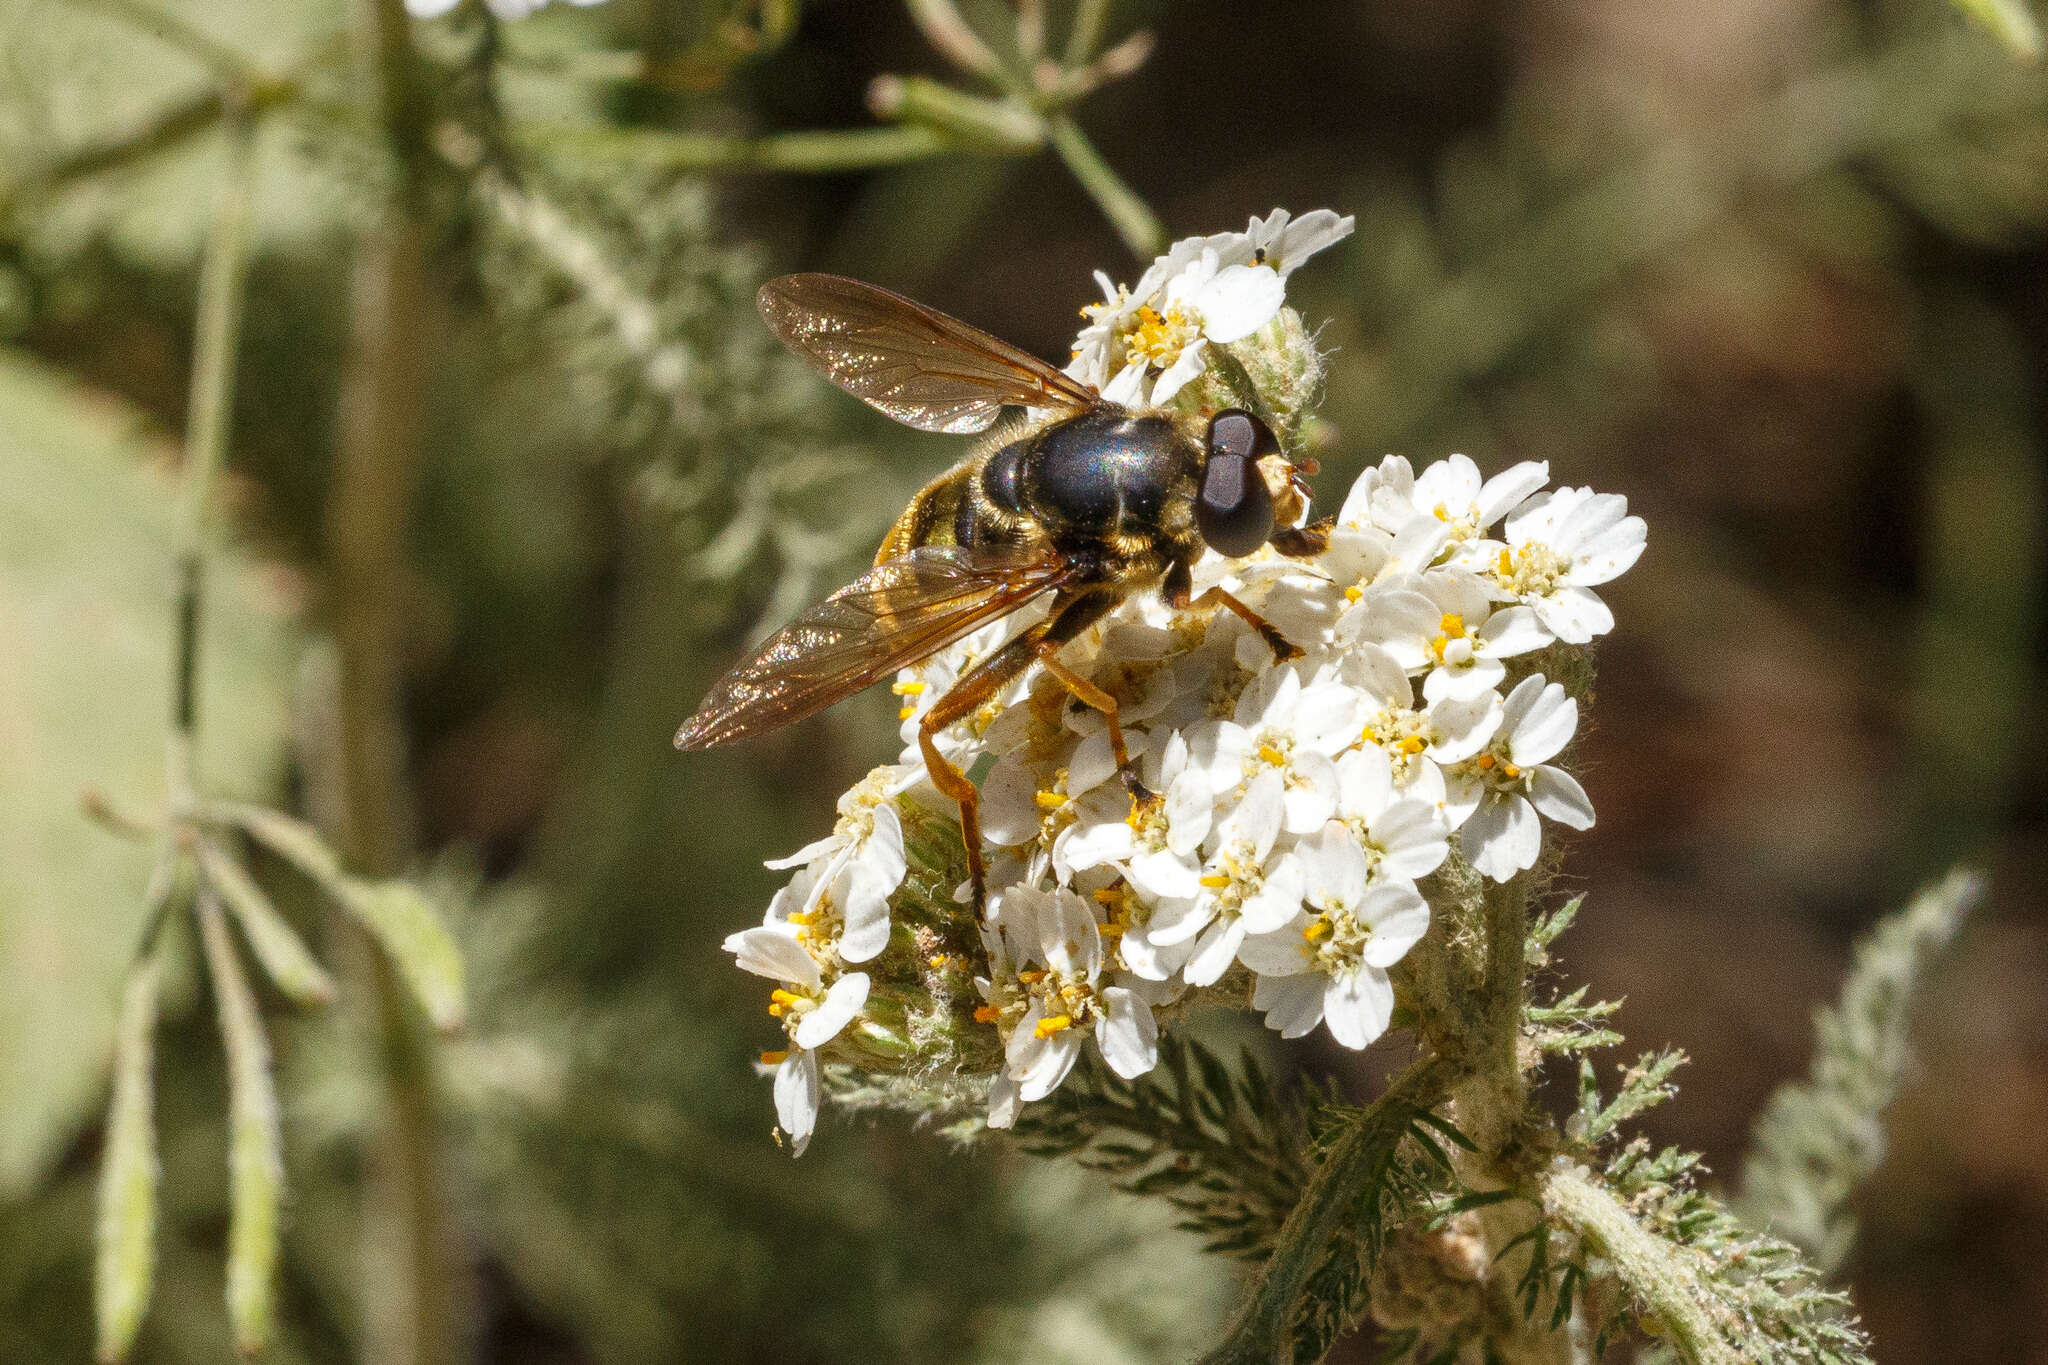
(1109,474)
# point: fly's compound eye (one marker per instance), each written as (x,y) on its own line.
(1234,510)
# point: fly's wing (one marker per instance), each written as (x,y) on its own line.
(911,362)
(890,617)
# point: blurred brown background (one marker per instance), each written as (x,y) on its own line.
(1774,271)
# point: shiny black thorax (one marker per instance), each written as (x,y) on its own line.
(1109,486)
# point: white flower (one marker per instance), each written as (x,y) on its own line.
(1560,546)
(1202,303)
(854,870)
(812,1015)
(1471,638)
(1331,967)
(1418,744)
(1496,796)
(1246,887)
(1285,726)
(1156,845)
(1046,992)
(1283,243)
(1399,837)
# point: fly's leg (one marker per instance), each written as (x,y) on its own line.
(1067,623)
(981,682)
(1304,542)
(1179,587)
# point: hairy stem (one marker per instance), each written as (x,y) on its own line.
(1262,1332)
(1659,1274)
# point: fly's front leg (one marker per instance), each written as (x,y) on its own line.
(1178,591)
(1304,542)
(981,682)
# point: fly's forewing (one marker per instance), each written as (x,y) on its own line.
(914,363)
(892,616)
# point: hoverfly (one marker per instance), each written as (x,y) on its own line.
(1089,502)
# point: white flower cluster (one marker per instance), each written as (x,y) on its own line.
(1294,806)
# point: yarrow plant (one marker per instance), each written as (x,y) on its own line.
(1343,830)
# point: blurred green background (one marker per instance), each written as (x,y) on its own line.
(1774,271)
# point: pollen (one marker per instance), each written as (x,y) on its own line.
(905,712)
(777,1009)
(1272,755)
(1051,1024)
(1413,744)
(1320,929)
(986,1014)
(1441,512)
(1031,976)
(1216,881)
(1452,624)
(906,689)
(802,918)
(1485,761)
(1506,564)
(1110,930)
(937,962)
(1509,770)
(1050,800)
(1353,593)
(774,1058)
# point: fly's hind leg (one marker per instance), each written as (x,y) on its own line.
(1178,592)
(1040,644)
(980,683)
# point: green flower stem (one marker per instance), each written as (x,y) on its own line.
(1085,35)
(1262,1332)
(1660,1274)
(1132,218)
(211,406)
(227,65)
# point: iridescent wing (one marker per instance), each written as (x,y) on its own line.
(890,617)
(911,362)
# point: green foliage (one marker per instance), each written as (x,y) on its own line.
(85,549)
(1820,1139)
(1230,1152)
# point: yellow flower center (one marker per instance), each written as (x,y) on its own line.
(1159,338)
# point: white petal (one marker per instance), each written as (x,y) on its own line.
(1513,630)
(1310,797)
(843,1001)
(1305,236)
(1177,921)
(1153,961)
(1003,1101)
(809,853)
(1467,683)
(1574,615)
(1379,675)
(1557,795)
(1292,1004)
(1049,1065)
(1506,490)
(1365,782)
(1280,952)
(1399,918)
(1278,897)
(1357,1006)
(1189,364)
(1545,727)
(1410,836)
(1189,810)
(1502,838)
(1163,876)
(1067,935)
(1127,1035)
(864,901)
(775,954)
(1093,763)
(1214,952)
(1238,301)
(1609,554)
(1332,868)
(796,1098)
(1128,387)
(1463,726)
(1451,483)
(1081,847)
(1252,827)
(1327,717)
(1010,814)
